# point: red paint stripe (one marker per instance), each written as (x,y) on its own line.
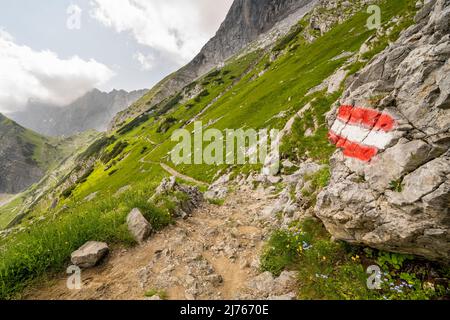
(353,149)
(369,118)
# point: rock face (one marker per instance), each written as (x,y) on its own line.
(399,201)
(245,22)
(18,166)
(139,227)
(90,254)
(92,111)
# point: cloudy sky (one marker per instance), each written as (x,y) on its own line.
(55,51)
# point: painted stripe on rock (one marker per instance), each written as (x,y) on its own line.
(352,149)
(369,118)
(357,134)
(361,133)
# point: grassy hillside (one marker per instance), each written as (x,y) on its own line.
(37,148)
(49,154)
(252,91)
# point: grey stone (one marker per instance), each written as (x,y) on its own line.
(90,254)
(139,227)
(284,297)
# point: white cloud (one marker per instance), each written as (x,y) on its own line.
(146,61)
(43,76)
(176,27)
(5,35)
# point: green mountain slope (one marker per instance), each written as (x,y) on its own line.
(258,89)
(25,159)
(24,156)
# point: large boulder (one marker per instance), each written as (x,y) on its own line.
(90,254)
(399,200)
(139,227)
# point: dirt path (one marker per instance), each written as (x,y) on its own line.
(211,255)
(175,173)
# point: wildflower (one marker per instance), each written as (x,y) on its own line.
(306,246)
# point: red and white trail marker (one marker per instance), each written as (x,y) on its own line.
(361,133)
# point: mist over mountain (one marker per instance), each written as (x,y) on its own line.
(94,110)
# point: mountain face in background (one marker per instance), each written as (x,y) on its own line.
(246,21)
(92,111)
(24,156)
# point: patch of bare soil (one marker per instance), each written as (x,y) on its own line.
(214,254)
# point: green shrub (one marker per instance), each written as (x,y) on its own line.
(289,38)
(216,202)
(96,147)
(396,185)
(154,292)
(281,251)
(133,124)
(166,124)
(144,149)
(202,94)
(117,149)
(337,271)
(85,176)
(212,74)
(68,192)
(46,246)
(112,172)
(171,103)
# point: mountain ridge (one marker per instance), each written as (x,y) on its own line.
(236,32)
(92,111)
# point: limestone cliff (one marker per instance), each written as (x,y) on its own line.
(400,200)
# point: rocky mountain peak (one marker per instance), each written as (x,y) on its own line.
(244,23)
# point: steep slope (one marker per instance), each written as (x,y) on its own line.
(24,156)
(93,111)
(16,207)
(245,22)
